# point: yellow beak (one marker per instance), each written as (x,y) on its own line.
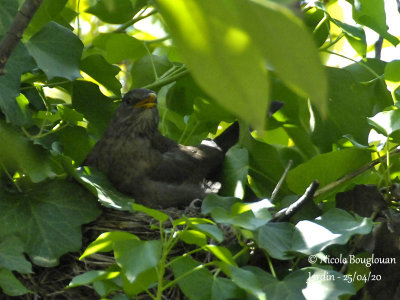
(149,102)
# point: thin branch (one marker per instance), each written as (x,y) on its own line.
(167,80)
(123,27)
(278,186)
(286,213)
(357,172)
(17,28)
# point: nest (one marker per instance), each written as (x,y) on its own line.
(50,283)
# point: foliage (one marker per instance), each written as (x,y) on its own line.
(221,61)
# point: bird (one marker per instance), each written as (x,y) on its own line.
(139,161)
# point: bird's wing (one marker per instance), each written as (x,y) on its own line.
(181,163)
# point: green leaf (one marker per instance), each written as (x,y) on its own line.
(235,172)
(230,210)
(19,62)
(48,11)
(158,215)
(251,281)
(17,153)
(103,72)
(10,285)
(313,16)
(211,230)
(327,284)
(371,13)
(386,122)
(8,10)
(112,11)
(101,187)
(97,108)
(193,237)
(105,242)
(225,289)
(143,69)
(222,254)
(90,277)
(142,282)
(119,46)
(75,142)
(392,73)
(12,255)
(339,163)
(195,285)
(57,51)
(218,51)
(334,227)
(48,219)
(136,257)
(355,35)
(285,42)
(276,239)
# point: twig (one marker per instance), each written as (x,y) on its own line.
(167,80)
(279,184)
(17,28)
(286,213)
(354,174)
(123,27)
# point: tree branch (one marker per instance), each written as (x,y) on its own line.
(17,28)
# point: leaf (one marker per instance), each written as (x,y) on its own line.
(57,51)
(8,10)
(112,11)
(276,239)
(18,63)
(339,163)
(225,289)
(196,285)
(105,242)
(235,172)
(48,219)
(386,122)
(222,254)
(158,215)
(211,230)
(284,41)
(97,108)
(89,277)
(119,46)
(355,35)
(326,284)
(143,69)
(230,210)
(136,257)
(12,255)
(17,153)
(371,13)
(250,281)
(334,227)
(218,51)
(75,142)
(142,282)
(103,72)
(101,187)
(48,11)
(10,285)
(193,237)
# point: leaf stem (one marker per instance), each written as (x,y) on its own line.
(124,26)
(165,81)
(10,177)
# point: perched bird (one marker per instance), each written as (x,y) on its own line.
(157,171)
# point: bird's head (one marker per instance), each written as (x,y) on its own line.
(137,114)
(140,99)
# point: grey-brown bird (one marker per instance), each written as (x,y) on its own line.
(139,161)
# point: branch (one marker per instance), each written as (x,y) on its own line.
(17,28)
(355,173)
(286,213)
